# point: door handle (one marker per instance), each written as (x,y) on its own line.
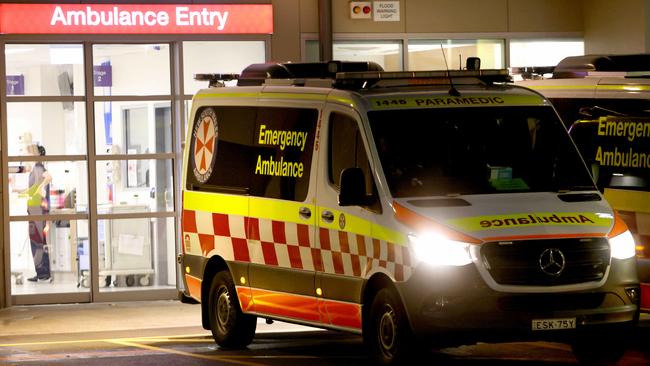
(304,212)
(327,216)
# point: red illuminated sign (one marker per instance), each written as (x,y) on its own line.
(136,19)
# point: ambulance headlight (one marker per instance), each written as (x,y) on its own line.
(622,246)
(436,250)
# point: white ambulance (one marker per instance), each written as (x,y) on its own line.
(604,100)
(413,208)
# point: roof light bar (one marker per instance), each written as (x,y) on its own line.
(215,79)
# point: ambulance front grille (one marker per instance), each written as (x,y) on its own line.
(546,262)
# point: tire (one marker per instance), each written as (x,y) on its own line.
(598,351)
(386,333)
(231,328)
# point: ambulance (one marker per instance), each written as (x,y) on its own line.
(416,209)
(605,102)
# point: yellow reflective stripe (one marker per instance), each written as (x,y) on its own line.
(216,202)
(225,95)
(340,100)
(532,219)
(280,210)
(296,96)
(447,101)
(288,211)
(588,87)
(384,233)
(352,224)
(625,87)
(625,200)
(560,87)
(357,225)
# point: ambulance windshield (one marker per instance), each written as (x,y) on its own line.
(432,152)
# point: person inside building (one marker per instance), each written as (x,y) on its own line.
(38,202)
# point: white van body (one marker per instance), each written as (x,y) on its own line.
(399,207)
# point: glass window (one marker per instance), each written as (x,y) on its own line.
(476,151)
(60,127)
(388,54)
(228,131)
(346,149)
(131,69)
(218,57)
(284,141)
(543,52)
(136,253)
(312,51)
(133,127)
(44,69)
(65,190)
(144,184)
(49,256)
(263,152)
(427,54)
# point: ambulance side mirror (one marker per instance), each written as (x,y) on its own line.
(353,188)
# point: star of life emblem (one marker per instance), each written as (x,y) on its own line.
(205,134)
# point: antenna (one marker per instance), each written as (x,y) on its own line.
(452,91)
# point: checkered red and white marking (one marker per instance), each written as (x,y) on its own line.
(289,245)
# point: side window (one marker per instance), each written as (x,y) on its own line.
(284,143)
(613,137)
(222,152)
(346,150)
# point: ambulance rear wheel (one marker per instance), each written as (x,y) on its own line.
(231,328)
(386,334)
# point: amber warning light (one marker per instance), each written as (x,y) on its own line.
(360,10)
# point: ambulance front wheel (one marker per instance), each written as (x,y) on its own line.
(231,328)
(386,334)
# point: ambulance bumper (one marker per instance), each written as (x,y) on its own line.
(457,305)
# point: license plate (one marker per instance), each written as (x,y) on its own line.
(554,324)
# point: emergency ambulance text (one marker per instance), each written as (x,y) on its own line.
(282,138)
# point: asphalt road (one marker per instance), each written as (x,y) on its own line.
(275,345)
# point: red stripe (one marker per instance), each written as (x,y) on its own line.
(240,249)
(207,243)
(376,249)
(193,286)
(343,241)
(324,235)
(245,299)
(286,305)
(344,314)
(252,228)
(391,252)
(268,250)
(303,235)
(337,259)
(317,258)
(294,256)
(361,244)
(189,221)
(356,265)
(645,296)
(278,232)
(544,236)
(220,224)
(399,272)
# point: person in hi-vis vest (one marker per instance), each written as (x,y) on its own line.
(38,203)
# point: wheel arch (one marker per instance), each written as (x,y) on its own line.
(213,266)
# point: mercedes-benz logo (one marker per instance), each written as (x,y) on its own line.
(552,262)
